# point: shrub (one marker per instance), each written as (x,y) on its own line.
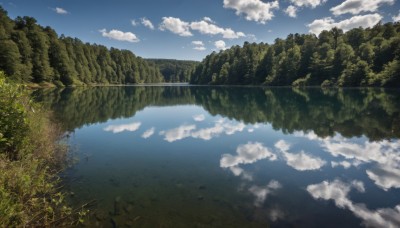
(30,158)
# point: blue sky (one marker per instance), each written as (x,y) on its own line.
(191,29)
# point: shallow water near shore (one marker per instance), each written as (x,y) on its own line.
(188,156)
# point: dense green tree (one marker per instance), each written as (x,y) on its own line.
(354,74)
(174,70)
(359,57)
(25,50)
(31,53)
(9,57)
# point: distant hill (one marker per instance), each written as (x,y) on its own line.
(175,70)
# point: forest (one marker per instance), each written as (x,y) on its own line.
(30,53)
(175,70)
(359,57)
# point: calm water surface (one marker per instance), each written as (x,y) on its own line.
(182,156)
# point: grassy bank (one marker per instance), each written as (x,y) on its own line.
(30,159)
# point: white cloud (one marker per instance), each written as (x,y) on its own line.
(358,6)
(303,161)
(185,131)
(200,117)
(384,157)
(231,129)
(369,20)
(119,35)
(300,161)
(198,45)
(175,25)
(208,19)
(123,127)
(309,135)
(207,26)
(338,191)
(134,23)
(220,44)
(148,133)
(247,154)
(198,42)
(254,10)
(396,18)
(261,193)
(218,129)
(252,37)
(60,10)
(308,3)
(178,133)
(282,145)
(291,11)
(147,23)
(200,48)
(344,164)
(384,176)
(237,171)
(230,34)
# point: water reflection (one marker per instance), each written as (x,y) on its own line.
(262,192)
(234,157)
(338,191)
(247,154)
(384,155)
(374,113)
(185,131)
(300,161)
(123,127)
(199,118)
(148,133)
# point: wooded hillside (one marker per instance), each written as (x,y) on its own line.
(359,57)
(32,53)
(175,70)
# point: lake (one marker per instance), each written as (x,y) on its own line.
(199,156)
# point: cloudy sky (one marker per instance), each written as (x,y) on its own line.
(191,29)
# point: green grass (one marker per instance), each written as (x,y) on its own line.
(31,156)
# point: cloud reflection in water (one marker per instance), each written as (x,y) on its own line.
(185,131)
(199,118)
(338,191)
(300,161)
(123,127)
(384,155)
(148,133)
(261,192)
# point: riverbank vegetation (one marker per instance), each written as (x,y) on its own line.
(30,53)
(359,57)
(30,158)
